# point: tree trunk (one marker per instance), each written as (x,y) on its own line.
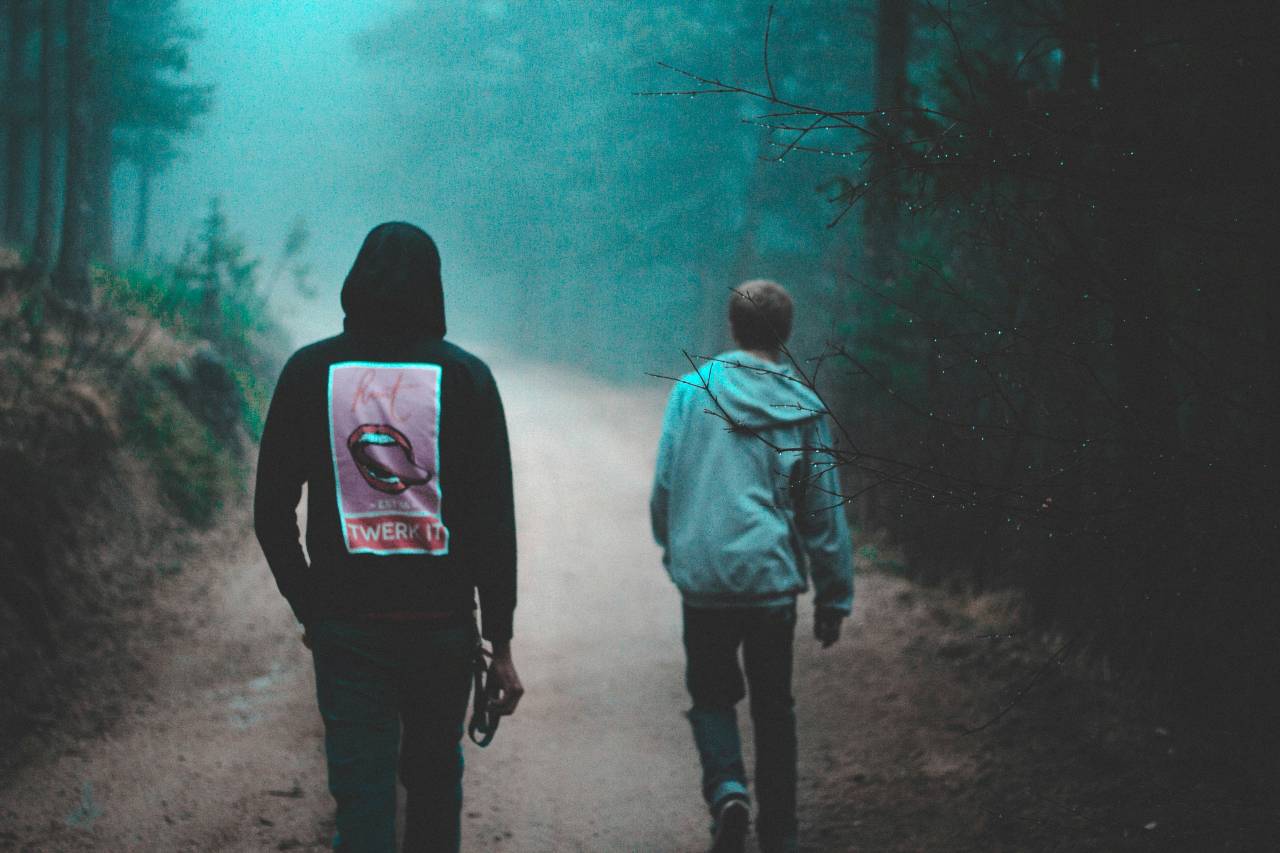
(16,132)
(102,163)
(101,151)
(892,27)
(42,254)
(72,277)
(880,220)
(716,334)
(713,335)
(143,212)
(713,306)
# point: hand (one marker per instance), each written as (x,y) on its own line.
(826,626)
(505,688)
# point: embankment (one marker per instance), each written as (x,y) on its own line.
(125,447)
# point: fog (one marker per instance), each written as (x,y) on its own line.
(1028,249)
(577,218)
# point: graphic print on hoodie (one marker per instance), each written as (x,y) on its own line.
(384,428)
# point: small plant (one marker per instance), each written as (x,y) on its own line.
(197,473)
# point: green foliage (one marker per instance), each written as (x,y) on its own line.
(212,294)
(209,299)
(197,472)
(216,272)
(147,53)
(148,293)
(255,395)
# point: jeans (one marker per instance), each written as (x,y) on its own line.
(715,682)
(372,678)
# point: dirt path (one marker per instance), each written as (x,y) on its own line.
(225,752)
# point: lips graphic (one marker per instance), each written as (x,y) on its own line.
(384,457)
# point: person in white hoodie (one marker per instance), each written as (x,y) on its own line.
(747,506)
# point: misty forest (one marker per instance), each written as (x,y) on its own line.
(1026,244)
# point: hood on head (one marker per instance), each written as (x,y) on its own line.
(394,285)
(756,393)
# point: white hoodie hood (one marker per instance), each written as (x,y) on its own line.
(755,393)
(744,487)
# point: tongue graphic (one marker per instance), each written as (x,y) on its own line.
(384,458)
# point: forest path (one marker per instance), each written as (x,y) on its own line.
(224,752)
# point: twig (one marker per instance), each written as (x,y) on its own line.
(768,25)
(1038,676)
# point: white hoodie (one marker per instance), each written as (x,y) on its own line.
(745,495)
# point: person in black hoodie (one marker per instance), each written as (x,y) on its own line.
(401,440)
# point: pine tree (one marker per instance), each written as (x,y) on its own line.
(17,120)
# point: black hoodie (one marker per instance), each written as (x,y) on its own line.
(402,443)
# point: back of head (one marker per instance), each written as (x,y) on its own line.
(760,313)
(394,286)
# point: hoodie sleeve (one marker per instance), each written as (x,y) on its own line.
(824,530)
(494,503)
(278,489)
(658,498)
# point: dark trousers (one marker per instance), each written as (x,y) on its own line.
(372,678)
(715,681)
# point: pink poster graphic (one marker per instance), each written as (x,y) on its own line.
(384,429)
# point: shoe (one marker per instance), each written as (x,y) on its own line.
(732,817)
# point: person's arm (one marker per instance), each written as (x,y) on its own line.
(658,498)
(275,496)
(494,505)
(505,688)
(824,533)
